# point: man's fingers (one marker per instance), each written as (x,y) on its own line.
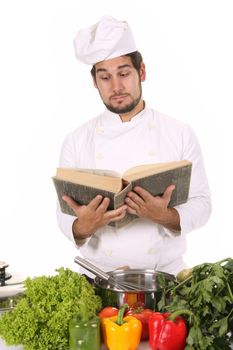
(132,211)
(119,217)
(117,214)
(103,206)
(71,203)
(99,206)
(168,193)
(131,204)
(141,196)
(95,202)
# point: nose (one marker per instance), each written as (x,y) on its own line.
(117,85)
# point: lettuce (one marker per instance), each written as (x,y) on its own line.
(40,320)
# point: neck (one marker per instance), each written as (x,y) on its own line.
(126,117)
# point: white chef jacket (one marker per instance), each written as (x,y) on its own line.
(106,142)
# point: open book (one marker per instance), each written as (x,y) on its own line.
(84,184)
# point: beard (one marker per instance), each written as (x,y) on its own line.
(127,108)
(124,109)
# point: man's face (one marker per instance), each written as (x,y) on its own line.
(119,84)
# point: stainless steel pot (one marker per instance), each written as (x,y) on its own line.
(152,284)
(9,287)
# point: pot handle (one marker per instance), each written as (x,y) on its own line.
(105,276)
(92,268)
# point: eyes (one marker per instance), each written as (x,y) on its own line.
(107,77)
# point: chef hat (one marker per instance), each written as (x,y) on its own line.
(106,39)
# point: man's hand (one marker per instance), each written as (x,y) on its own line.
(93,216)
(141,203)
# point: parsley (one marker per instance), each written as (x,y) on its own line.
(208,294)
(40,320)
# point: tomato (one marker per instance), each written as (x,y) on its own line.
(143,316)
(108,311)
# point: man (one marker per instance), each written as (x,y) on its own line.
(126,134)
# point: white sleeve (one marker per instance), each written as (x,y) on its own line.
(67,159)
(196,212)
(65,223)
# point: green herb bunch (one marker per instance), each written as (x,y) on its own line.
(208,294)
(40,320)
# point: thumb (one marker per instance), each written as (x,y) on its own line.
(168,193)
(71,203)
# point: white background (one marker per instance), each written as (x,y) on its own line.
(45,93)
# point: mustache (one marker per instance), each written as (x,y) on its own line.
(120,94)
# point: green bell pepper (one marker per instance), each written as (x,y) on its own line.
(84,335)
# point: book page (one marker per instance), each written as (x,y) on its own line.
(91,177)
(150,169)
(102,172)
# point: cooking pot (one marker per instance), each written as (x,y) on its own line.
(10,286)
(151,285)
(11,289)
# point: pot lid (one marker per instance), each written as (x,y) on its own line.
(10,284)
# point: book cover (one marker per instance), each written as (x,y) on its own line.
(156,184)
(165,174)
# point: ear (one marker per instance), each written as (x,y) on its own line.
(94,82)
(143,72)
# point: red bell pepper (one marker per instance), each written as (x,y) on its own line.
(108,311)
(142,315)
(167,331)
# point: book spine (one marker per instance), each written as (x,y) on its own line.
(118,202)
(120,197)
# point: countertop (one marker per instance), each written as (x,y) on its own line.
(4,347)
(142,346)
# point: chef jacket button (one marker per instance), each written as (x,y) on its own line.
(99,130)
(151,126)
(108,252)
(99,156)
(151,153)
(151,251)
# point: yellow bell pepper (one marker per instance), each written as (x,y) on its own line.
(121,333)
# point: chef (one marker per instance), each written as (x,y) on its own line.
(126,134)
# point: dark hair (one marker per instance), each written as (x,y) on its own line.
(136,59)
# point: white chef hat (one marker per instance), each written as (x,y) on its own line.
(106,39)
